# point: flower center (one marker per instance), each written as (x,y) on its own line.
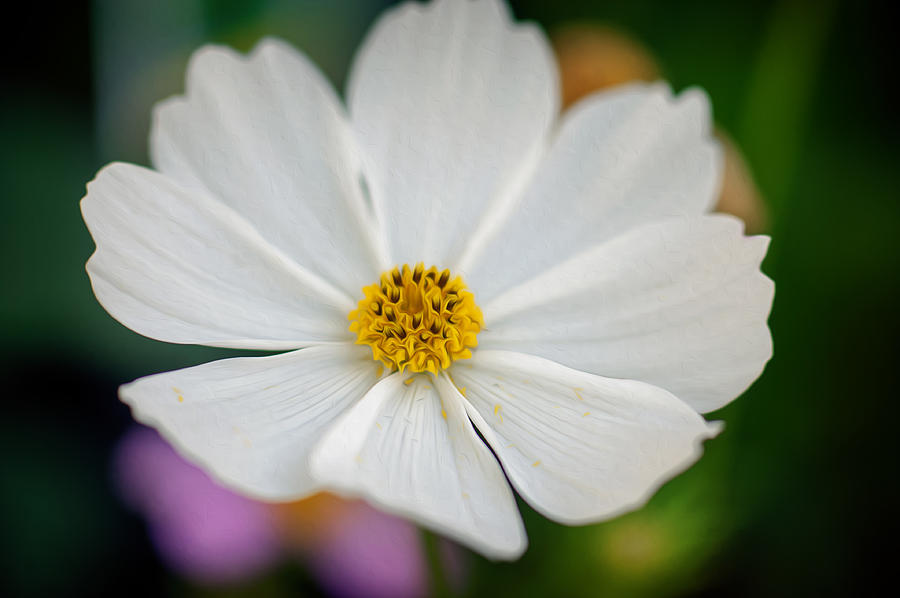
(417,319)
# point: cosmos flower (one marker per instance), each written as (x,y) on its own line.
(444,255)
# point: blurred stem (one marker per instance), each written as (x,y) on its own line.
(779,97)
(438,578)
(771,131)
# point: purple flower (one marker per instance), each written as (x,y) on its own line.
(201,530)
(212,536)
(369,553)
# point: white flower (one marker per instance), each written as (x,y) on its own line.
(614,309)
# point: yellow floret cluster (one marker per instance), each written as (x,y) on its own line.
(417,319)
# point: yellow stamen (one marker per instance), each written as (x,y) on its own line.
(417,319)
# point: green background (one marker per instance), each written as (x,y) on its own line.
(797,497)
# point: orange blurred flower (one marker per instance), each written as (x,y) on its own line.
(303,523)
(739,195)
(593,57)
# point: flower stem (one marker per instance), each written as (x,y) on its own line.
(440,587)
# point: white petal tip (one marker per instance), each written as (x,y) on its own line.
(714,428)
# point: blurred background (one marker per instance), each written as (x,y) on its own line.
(797,497)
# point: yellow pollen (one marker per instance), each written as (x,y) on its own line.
(416,319)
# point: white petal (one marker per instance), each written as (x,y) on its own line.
(621,159)
(252,421)
(414,455)
(578,447)
(452,103)
(680,304)
(267,135)
(177,265)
